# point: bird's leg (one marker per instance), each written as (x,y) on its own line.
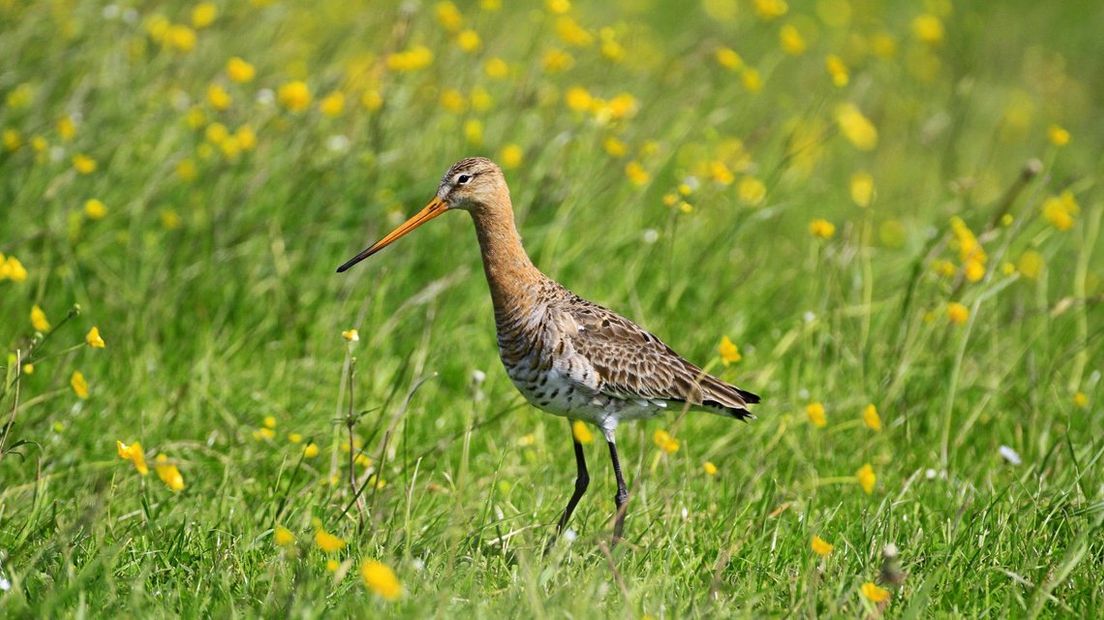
(622,497)
(582,480)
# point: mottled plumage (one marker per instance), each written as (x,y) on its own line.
(566,355)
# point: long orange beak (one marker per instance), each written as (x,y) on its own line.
(433,209)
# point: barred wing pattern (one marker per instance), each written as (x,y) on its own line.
(634,364)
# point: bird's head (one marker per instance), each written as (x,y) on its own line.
(470,184)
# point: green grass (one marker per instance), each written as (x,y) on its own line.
(219,305)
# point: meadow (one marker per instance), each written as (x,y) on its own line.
(882,216)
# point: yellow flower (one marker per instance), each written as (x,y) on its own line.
(791,40)
(974,270)
(862,188)
(180,37)
(636,173)
(21,96)
(837,70)
(581,432)
(511,156)
(218,97)
(556,60)
(264,434)
(332,565)
(473,131)
(815,412)
(246,138)
(873,593)
(84,164)
(449,16)
(283,536)
(1060,210)
(751,191)
(858,129)
(168,473)
(294,96)
(490,5)
(295,437)
(822,228)
(730,354)
(204,14)
(195,117)
(79,385)
(270,421)
(883,44)
(770,9)
(327,542)
(310,450)
(469,41)
(240,70)
(968,246)
(94,209)
(1030,264)
(578,98)
(453,100)
(12,140)
(496,68)
(93,339)
(570,32)
(821,547)
(665,441)
(944,268)
(28,369)
(134,454)
(866,478)
(12,269)
(351,335)
(372,100)
(216,133)
(1057,135)
(170,219)
(559,7)
(957,313)
(1081,399)
(481,100)
(751,80)
(38,319)
(379,578)
(333,104)
(928,29)
(729,59)
(720,173)
(413,59)
(709,468)
(66,128)
(871,418)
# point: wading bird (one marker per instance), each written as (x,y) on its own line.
(566,355)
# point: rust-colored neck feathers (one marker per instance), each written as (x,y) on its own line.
(511,275)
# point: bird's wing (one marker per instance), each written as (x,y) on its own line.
(632,363)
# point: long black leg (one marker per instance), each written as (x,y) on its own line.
(622,496)
(582,480)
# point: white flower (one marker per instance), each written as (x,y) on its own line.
(1010,455)
(650,236)
(569,535)
(337,143)
(265,96)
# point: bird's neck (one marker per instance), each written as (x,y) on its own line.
(512,277)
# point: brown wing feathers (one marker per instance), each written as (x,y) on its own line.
(634,363)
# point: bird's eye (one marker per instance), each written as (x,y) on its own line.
(462,179)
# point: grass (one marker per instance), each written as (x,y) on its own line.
(211,280)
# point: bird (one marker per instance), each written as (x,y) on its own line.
(566,355)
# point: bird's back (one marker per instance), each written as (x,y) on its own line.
(573,357)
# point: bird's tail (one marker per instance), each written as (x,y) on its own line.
(726,399)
